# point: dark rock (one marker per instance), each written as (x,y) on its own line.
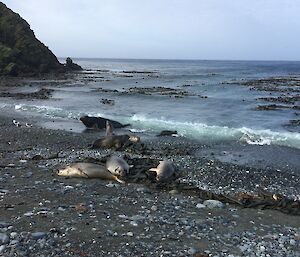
(107,101)
(99,122)
(272,107)
(71,66)
(294,123)
(21,53)
(43,93)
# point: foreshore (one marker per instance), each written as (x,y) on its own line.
(46,215)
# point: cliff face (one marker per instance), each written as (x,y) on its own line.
(21,53)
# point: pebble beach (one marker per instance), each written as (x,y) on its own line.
(46,215)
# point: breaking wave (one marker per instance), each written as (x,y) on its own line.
(200,131)
(209,132)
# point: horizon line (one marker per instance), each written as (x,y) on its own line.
(174,59)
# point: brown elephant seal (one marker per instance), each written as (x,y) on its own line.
(100,123)
(87,170)
(117,166)
(115,141)
(109,129)
(164,171)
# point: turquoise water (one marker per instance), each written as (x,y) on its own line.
(226,113)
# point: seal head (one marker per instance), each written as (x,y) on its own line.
(117,166)
(109,129)
(164,171)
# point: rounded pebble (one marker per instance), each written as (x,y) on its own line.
(213,204)
(4,238)
(38,235)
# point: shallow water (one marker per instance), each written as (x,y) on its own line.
(211,110)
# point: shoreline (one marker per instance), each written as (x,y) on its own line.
(267,157)
(91,217)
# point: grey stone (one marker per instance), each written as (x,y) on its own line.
(13,235)
(200,206)
(192,251)
(4,238)
(4,224)
(38,235)
(14,242)
(213,204)
(2,248)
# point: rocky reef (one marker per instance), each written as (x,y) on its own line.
(21,53)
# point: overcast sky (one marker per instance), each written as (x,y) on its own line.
(166,29)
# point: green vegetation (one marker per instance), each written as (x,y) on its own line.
(21,53)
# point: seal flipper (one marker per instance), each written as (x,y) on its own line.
(119,180)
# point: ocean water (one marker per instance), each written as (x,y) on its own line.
(215,109)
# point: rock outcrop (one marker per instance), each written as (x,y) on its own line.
(71,66)
(21,53)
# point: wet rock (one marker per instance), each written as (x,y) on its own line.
(107,101)
(71,66)
(43,93)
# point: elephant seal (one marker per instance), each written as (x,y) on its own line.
(109,129)
(172,133)
(164,171)
(100,123)
(87,170)
(117,166)
(115,141)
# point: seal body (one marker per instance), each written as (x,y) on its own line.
(164,171)
(117,166)
(109,129)
(87,170)
(100,123)
(168,133)
(115,141)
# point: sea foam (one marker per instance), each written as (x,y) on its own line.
(211,132)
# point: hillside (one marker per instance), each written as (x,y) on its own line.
(21,53)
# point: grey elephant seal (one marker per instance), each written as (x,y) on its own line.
(115,141)
(164,171)
(117,166)
(87,170)
(109,129)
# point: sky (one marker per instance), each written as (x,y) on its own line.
(166,29)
